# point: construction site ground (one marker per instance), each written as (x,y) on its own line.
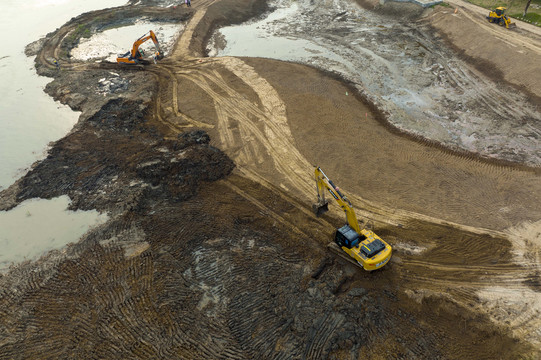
(211,251)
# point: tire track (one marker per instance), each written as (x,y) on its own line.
(319,338)
(262,136)
(267,124)
(181,121)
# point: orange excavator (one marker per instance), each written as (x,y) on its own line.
(135,56)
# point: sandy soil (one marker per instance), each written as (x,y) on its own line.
(515,50)
(212,251)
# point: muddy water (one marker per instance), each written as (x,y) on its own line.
(30,119)
(425,89)
(253,39)
(37,226)
(111,43)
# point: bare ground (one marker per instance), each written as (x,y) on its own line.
(212,250)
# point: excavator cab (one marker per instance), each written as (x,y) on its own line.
(346,236)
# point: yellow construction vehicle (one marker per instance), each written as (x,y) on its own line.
(498,16)
(135,56)
(363,245)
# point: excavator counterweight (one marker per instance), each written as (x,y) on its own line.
(362,245)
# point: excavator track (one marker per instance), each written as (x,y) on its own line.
(333,247)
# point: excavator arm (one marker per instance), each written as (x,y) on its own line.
(322,206)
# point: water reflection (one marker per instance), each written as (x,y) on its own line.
(37,226)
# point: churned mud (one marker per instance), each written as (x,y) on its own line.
(204,168)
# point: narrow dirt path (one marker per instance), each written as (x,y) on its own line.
(509,52)
(478,12)
(525,35)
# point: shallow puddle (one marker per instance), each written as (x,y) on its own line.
(37,226)
(257,39)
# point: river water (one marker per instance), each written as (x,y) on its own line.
(29,120)
(38,225)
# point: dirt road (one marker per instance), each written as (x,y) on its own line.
(202,261)
(477,11)
(508,51)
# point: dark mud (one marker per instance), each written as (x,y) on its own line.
(199,262)
(217,278)
(115,150)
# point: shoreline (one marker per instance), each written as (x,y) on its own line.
(204,168)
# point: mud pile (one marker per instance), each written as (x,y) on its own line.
(117,159)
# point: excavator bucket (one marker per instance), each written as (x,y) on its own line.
(320,208)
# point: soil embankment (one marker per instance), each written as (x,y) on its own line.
(211,250)
(505,55)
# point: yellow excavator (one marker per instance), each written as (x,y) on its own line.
(497,16)
(362,245)
(135,55)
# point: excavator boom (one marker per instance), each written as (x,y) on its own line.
(322,206)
